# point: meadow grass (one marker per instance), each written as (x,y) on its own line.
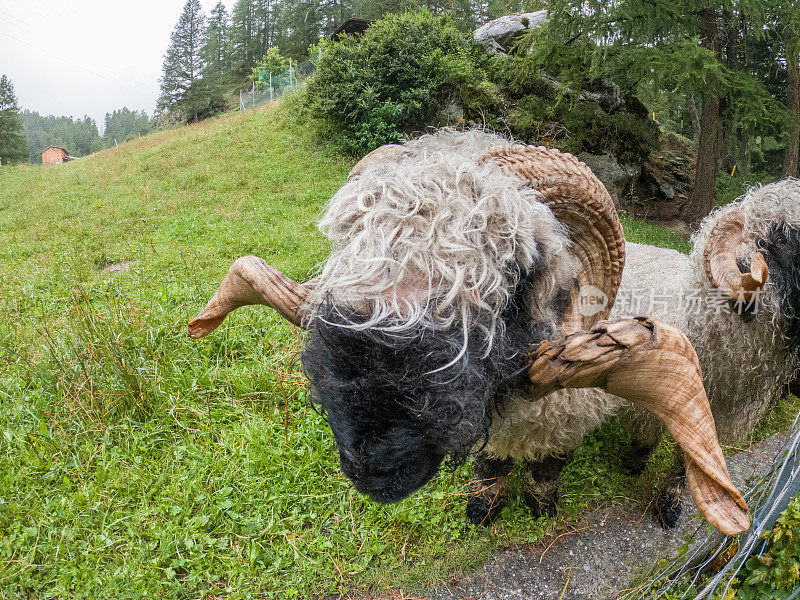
(135,462)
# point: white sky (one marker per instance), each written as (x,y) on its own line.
(87,57)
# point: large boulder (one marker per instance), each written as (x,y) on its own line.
(499,35)
(667,179)
(619,179)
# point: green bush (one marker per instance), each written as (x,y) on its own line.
(544,83)
(584,127)
(272,63)
(403,75)
(775,573)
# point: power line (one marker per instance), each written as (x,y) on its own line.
(75,65)
(28,29)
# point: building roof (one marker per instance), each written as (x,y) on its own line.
(351,26)
(56,147)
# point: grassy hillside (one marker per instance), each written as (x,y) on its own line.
(136,462)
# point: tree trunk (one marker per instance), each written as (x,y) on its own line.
(744,152)
(693,116)
(790,156)
(728,142)
(702,199)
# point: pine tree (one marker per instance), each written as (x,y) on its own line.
(244,37)
(216,51)
(183,63)
(13,148)
(124,124)
(791,37)
(682,49)
(702,199)
(301,25)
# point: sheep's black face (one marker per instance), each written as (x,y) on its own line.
(781,250)
(394,411)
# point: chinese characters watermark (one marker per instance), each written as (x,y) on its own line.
(687,301)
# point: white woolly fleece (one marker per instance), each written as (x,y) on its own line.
(434,236)
(745,365)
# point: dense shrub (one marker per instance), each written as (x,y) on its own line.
(775,573)
(407,72)
(548,103)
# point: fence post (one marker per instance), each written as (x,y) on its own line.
(270,86)
(254,94)
(241,101)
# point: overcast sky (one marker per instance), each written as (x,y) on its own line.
(86,57)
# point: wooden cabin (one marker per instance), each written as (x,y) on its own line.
(352,26)
(53,155)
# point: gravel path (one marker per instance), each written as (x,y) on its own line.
(598,560)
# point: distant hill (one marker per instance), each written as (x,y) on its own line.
(80,137)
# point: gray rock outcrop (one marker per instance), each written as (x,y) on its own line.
(619,179)
(499,35)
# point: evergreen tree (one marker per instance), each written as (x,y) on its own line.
(680,50)
(78,137)
(702,200)
(245,44)
(216,50)
(301,25)
(267,17)
(791,38)
(12,141)
(124,124)
(183,63)
(377,9)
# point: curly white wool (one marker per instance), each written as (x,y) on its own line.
(437,237)
(746,365)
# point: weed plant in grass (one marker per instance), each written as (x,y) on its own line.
(135,462)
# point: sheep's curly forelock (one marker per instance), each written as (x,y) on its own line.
(437,237)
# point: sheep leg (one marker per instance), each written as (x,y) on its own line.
(542,480)
(668,504)
(488,489)
(634,459)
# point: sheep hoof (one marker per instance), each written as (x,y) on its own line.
(542,505)
(668,508)
(482,509)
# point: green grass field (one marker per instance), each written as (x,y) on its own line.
(135,462)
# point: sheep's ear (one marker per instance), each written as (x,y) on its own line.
(250,280)
(653,365)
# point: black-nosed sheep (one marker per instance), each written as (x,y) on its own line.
(459,297)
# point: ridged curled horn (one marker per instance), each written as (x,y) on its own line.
(250,280)
(581,202)
(653,365)
(719,259)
